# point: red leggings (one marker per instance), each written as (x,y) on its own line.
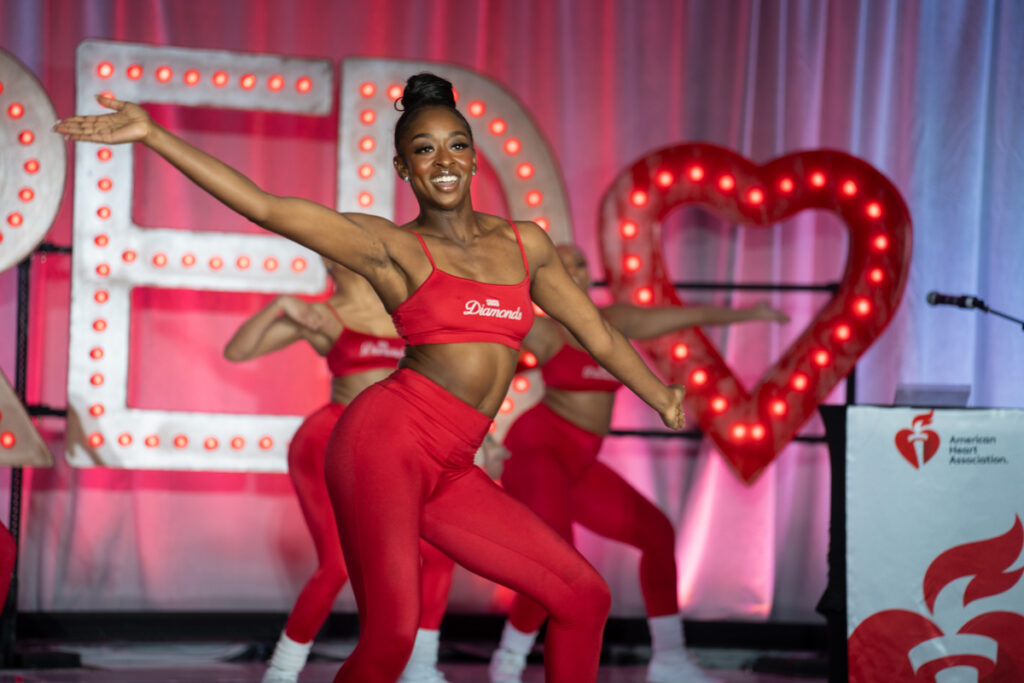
(554,470)
(400,465)
(8,552)
(306,468)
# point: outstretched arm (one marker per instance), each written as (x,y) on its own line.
(349,239)
(282,322)
(555,292)
(637,322)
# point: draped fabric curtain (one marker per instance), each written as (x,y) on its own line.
(928,92)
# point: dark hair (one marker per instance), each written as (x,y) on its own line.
(421,91)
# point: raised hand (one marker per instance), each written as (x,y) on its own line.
(128,123)
(763,311)
(672,414)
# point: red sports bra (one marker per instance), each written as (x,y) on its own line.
(572,369)
(358,351)
(448,309)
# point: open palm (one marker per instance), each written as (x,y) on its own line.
(129,122)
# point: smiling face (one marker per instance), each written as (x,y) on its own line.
(575,264)
(437,157)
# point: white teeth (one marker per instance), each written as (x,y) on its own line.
(444,179)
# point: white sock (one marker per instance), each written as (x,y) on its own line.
(290,655)
(514,640)
(666,632)
(424,651)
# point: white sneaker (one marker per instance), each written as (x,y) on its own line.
(428,675)
(507,666)
(275,675)
(675,666)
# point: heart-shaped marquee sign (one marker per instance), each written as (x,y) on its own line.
(751,427)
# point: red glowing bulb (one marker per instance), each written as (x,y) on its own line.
(366,171)
(160,259)
(188,260)
(134,72)
(210,443)
(638,198)
(520,384)
(631,263)
(529,360)
(266,442)
(755,195)
(542,222)
(7,440)
(275,82)
(395,91)
(534,197)
(524,171)
(96,409)
(15,111)
(243,262)
(628,229)
(779,408)
(15,219)
(876,275)
(695,173)
(874,210)
(125,439)
(786,185)
(103,270)
(644,295)
(105,184)
(26,194)
(699,377)
(104,154)
(367,89)
(843,332)
(476,108)
(96,353)
(298,264)
(26,137)
(103,212)
(664,179)
(368,116)
(180,441)
(191,77)
(220,79)
(739,431)
(507,406)
(861,307)
(96,380)
(95,439)
(498,126)
(248,82)
(719,404)
(680,351)
(238,443)
(512,146)
(367,144)
(821,358)
(757,431)
(32,166)
(99,325)
(818,179)
(849,188)
(881,243)
(152,441)
(216,263)
(101,296)
(270,264)
(102,240)
(365,199)
(799,381)
(726,183)
(105,70)
(164,73)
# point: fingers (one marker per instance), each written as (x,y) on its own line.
(110,102)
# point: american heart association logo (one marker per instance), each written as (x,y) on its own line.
(908,440)
(750,428)
(899,646)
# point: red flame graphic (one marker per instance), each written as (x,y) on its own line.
(925,419)
(987,561)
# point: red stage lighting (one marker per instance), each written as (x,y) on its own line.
(525,170)
(757,431)
(644,295)
(105,70)
(95,439)
(210,443)
(726,183)
(96,409)
(367,89)
(881,243)
(180,441)
(861,307)
(638,198)
(821,358)
(628,229)
(695,173)
(534,198)
(216,263)
(275,82)
(778,408)
(368,116)
(248,82)
(304,85)
(498,126)
(664,179)
(799,381)
(476,108)
(843,332)
(739,431)
(699,377)
(876,275)
(191,77)
(849,188)
(134,72)
(164,74)
(366,171)
(755,195)
(719,404)
(874,210)
(188,260)
(817,179)
(631,263)
(680,351)
(367,144)
(16,111)
(220,79)
(32,166)
(786,185)
(512,146)
(104,154)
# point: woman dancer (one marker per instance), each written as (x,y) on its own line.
(554,469)
(355,334)
(458,285)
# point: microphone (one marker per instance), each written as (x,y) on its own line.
(964,301)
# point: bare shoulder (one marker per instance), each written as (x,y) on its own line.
(536,242)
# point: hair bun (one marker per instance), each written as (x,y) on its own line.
(425,90)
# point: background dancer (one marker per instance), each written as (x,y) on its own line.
(553,468)
(399,462)
(355,334)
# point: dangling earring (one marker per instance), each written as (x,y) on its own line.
(474,171)
(405,178)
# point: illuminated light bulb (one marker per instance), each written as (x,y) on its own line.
(779,408)
(191,77)
(739,431)
(368,116)
(105,184)
(843,332)
(786,185)
(7,440)
(16,111)
(524,171)
(719,404)
(821,358)
(266,442)
(817,179)
(529,360)
(248,82)
(521,384)
(164,74)
(638,198)
(95,439)
(367,144)
(238,443)
(103,212)
(188,260)
(395,91)
(180,441)
(512,146)
(757,431)
(631,263)
(534,197)
(99,325)
(874,210)
(125,439)
(542,222)
(220,79)
(367,89)
(160,259)
(664,179)
(726,183)
(96,353)
(304,85)
(15,219)
(876,275)
(128,256)
(299,265)
(134,72)
(881,243)
(32,166)
(755,195)
(26,194)
(498,126)
(476,108)
(243,262)
(365,199)
(216,263)
(152,441)
(101,296)
(26,137)
(628,229)
(96,380)
(849,188)
(96,409)
(270,264)
(103,270)
(695,173)
(366,171)
(862,307)
(680,351)
(493,427)
(105,70)
(275,82)
(699,377)
(799,381)
(104,154)
(210,443)
(507,406)
(644,295)
(102,240)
